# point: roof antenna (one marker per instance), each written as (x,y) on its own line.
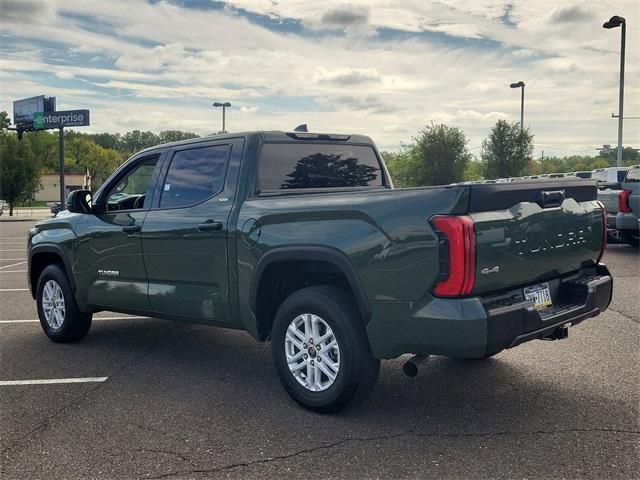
(301,128)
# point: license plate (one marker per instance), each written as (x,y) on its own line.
(539,295)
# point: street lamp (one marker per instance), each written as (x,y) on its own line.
(224,106)
(519,85)
(614,22)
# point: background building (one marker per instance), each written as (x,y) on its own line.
(49,190)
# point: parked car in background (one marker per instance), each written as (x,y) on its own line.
(580,174)
(583,174)
(609,175)
(2,204)
(54,207)
(622,204)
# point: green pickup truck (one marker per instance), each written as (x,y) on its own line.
(300,239)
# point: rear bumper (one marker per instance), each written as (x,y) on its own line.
(476,327)
(627,221)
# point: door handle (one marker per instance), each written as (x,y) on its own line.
(209,226)
(131,228)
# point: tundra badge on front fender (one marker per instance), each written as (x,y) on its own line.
(109,273)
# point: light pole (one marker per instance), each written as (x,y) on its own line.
(224,106)
(519,85)
(614,22)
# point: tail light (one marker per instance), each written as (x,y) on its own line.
(604,231)
(457,246)
(623,201)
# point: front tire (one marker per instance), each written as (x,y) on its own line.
(321,351)
(60,317)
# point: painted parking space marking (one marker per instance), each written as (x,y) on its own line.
(14,289)
(13,265)
(11,259)
(31,320)
(13,271)
(49,381)
(13,250)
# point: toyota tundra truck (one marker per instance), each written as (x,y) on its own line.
(300,239)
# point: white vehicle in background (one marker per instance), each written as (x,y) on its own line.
(609,175)
(622,206)
(3,205)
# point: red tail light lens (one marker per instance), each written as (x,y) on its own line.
(458,254)
(623,201)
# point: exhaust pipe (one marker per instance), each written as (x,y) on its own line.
(411,366)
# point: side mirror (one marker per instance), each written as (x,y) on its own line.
(79,201)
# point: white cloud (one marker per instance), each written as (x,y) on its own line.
(163,65)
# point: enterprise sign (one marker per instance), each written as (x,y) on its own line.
(67,118)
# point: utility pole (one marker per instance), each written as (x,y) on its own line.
(520,84)
(617,21)
(61,153)
(224,106)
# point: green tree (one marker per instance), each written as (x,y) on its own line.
(167,136)
(473,171)
(506,151)
(136,140)
(107,140)
(5,122)
(102,163)
(19,175)
(401,167)
(441,155)
(45,149)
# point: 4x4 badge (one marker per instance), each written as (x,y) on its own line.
(487,271)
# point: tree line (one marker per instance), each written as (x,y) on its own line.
(439,155)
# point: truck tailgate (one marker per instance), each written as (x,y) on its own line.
(527,233)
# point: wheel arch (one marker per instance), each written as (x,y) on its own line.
(338,260)
(41,256)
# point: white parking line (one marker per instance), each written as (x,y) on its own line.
(14,289)
(96,318)
(13,271)
(13,243)
(11,259)
(52,380)
(13,250)
(24,239)
(13,265)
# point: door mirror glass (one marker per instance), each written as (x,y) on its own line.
(79,201)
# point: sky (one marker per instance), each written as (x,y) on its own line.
(384,68)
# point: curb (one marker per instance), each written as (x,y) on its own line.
(8,220)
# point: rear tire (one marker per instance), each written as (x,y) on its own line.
(60,317)
(321,351)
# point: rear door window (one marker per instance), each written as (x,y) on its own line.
(194,175)
(286,166)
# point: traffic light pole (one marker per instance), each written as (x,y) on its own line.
(61,152)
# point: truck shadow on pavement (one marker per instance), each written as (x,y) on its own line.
(186,398)
(226,372)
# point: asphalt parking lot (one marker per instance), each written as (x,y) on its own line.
(167,400)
